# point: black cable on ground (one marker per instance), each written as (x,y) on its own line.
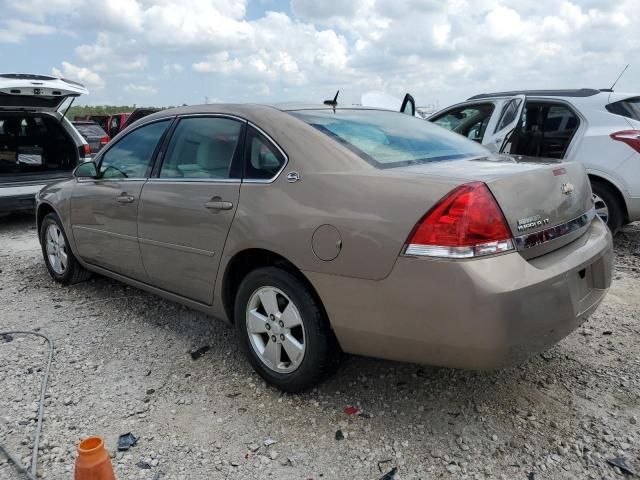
(34,455)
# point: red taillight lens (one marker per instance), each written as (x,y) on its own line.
(104,140)
(86,149)
(630,137)
(466,223)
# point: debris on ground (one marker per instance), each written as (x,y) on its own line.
(351,410)
(143,465)
(622,464)
(126,441)
(269,441)
(339,435)
(196,354)
(390,475)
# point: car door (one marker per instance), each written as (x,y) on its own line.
(186,209)
(104,210)
(510,112)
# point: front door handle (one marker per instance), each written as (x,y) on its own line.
(125,198)
(216,203)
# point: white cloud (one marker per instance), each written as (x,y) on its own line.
(435,49)
(146,89)
(73,72)
(15,31)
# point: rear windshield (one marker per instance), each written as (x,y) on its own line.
(389,139)
(629,108)
(90,129)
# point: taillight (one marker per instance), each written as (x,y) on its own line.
(86,149)
(630,137)
(466,223)
(104,140)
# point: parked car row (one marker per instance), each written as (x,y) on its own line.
(320,229)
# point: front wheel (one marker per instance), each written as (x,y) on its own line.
(58,257)
(283,330)
(607,206)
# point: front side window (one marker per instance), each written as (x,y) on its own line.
(390,139)
(202,147)
(470,121)
(131,156)
(263,160)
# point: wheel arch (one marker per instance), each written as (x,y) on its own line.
(43,210)
(244,262)
(595,178)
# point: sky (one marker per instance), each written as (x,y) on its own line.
(170,52)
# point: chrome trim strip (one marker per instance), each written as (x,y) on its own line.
(120,236)
(194,180)
(535,239)
(174,246)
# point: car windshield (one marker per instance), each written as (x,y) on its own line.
(388,139)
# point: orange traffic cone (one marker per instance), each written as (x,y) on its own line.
(93,462)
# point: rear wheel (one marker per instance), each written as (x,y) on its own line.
(58,257)
(283,331)
(607,206)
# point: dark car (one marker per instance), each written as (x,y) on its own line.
(93,133)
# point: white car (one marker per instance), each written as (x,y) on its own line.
(598,128)
(38,144)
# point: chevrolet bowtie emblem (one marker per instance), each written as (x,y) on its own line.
(567,188)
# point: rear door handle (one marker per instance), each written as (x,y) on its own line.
(217,204)
(125,198)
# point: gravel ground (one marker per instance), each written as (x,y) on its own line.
(122,364)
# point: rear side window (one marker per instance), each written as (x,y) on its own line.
(202,147)
(629,108)
(90,130)
(390,139)
(263,161)
(131,156)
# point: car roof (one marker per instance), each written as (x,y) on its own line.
(578,93)
(248,110)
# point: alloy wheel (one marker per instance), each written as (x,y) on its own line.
(601,208)
(276,329)
(56,249)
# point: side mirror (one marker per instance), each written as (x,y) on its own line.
(86,170)
(408,105)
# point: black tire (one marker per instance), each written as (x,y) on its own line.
(610,198)
(322,353)
(73,272)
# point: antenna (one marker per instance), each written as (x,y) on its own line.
(619,76)
(333,103)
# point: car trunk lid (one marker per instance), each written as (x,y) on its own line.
(36,93)
(543,200)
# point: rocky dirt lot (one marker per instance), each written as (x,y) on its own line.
(122,364)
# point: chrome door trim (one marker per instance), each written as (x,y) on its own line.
(174,246)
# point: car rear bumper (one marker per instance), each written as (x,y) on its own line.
(15,198)
(479,314)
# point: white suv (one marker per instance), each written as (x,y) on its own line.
(599,128)
(38,144)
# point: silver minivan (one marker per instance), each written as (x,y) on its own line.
(38,144)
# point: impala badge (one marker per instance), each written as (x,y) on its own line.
(531,222)
(567,188)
